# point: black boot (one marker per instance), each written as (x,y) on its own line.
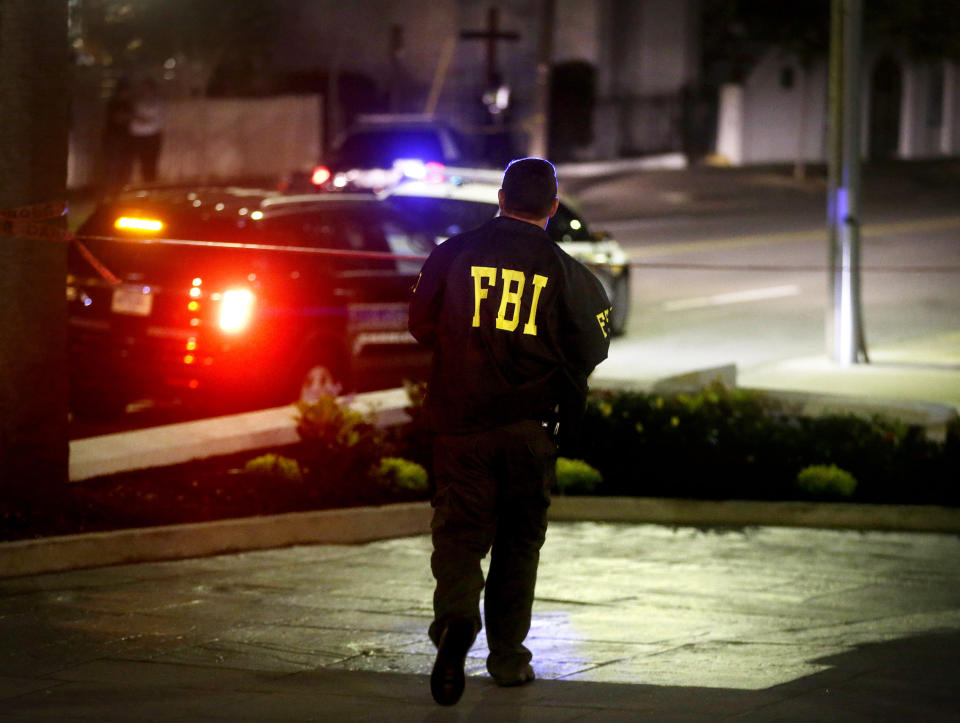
(447,680)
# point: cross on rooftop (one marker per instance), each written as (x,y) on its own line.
(492,34)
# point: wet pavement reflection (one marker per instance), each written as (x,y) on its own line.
(749,614)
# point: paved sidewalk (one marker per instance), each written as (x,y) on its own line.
(631,622)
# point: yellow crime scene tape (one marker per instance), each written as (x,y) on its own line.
(27,222)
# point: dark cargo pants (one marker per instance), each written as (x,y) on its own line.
(492,491)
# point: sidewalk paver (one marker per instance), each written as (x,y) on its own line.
(630,621)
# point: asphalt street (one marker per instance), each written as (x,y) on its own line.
(730,267)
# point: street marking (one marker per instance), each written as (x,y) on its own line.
(734,297)
(781,237)
(688,247)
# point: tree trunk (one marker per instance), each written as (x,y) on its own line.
(34,125)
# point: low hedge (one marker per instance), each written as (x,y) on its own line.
(722,443)
(718,443)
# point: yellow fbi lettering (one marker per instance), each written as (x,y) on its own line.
(603,318)
(513,284)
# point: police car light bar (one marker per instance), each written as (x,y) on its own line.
(417,170)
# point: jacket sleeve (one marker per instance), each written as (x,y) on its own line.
(426,299)
(587,325)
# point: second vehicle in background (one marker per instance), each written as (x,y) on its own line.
(379,151)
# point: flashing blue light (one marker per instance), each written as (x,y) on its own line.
(411,168)
(418,170)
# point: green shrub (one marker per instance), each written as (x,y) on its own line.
(274,466)
(328,424)
(337,448)
(717,443)
(576,477)
(826,480)
(413,439)
(721,443)
(400,475)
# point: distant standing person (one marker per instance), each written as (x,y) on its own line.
(117,158)
(146,128)
(516,325)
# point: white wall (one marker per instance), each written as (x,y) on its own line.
(212,139)
(666,61)
(773,115)
(224,138)
(919,136)
(950,133)
(577,32)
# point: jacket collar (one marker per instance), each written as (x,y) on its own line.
(515,225)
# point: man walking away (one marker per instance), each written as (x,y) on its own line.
(146,129)
(516,326)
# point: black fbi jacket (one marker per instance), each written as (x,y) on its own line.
(515,324)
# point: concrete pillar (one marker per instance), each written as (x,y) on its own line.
(949,119)
(906,146)
(730,124)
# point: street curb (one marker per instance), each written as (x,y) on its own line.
(367,524)
(269,428)
(183,442)
(752,513)
(200,539)
(590,169)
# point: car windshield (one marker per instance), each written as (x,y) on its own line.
(379,149)
(443,217)
(363,229)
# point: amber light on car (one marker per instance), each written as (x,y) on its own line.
(236,308)
(132,223)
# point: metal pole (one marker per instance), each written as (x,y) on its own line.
(845,339)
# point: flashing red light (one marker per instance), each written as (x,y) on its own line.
(236,309)
(321,174)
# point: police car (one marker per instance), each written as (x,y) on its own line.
(456,199)
(220,294)
(381,150)
(226,295)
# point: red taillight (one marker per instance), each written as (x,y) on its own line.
(236,308)
(321,174)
